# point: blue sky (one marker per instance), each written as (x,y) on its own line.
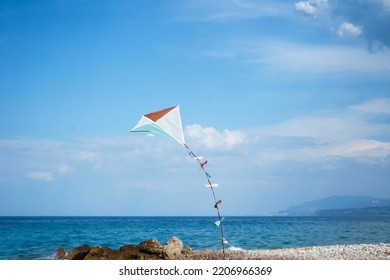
(288,100)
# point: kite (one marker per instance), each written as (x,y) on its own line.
(167,122)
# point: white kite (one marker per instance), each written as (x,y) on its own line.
(167,122)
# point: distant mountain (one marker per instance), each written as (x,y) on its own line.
(367,211)
(339,205)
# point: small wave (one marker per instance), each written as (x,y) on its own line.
(234,248)
(50,257)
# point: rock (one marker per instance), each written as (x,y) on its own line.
(134,252)
(149,249)
(95,253)
(127,252)
(129,248)
(151,246)
(103,253)
(60,253)
(172,250)
(78,253)
(187,250)
(110,254)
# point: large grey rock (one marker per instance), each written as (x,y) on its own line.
(172,250)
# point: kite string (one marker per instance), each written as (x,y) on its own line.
(215,199)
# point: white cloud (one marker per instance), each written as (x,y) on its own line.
(338,126)
(374,20)
(339,18)
(350,133)
(89,156)
(86,156)
(228,10)
(47,159)
(47,176)
(375,150)
(281,56)
(347,29)
(386,5)
(376,106)
(63,168)
(322,128)
(305,6)
(362,147)
(314,59)
(312,7)
(41,176)
(211,138)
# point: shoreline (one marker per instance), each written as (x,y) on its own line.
(376,251)
(151,249)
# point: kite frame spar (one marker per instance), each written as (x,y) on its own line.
(167,122)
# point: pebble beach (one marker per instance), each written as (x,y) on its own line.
(379,251)
(152,249)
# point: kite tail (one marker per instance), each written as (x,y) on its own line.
(217,202)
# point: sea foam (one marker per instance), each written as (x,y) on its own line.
(234,248)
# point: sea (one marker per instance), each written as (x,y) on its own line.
(34,238)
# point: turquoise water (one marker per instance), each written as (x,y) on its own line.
(39,237)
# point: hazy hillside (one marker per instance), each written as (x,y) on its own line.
(335,205)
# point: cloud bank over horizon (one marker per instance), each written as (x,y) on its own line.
(337,142)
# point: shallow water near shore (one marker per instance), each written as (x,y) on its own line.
(39,237)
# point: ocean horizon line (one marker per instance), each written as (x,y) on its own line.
(140,216)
